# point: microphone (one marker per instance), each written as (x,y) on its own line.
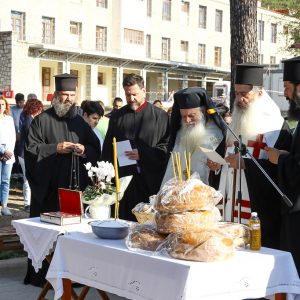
(217,110)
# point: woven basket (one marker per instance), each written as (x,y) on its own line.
(143,217)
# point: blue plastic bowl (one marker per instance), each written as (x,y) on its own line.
(110,229)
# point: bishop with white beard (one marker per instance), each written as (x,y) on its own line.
(192,127)
(258,120)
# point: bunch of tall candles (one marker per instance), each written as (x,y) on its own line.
(176,165)
(116,178)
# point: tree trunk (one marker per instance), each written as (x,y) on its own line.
(243,27)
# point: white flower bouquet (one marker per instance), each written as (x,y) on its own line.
(102,192)
(102,188)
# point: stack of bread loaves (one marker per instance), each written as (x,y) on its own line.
(186,224)
(186,206)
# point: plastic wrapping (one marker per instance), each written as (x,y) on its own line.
(240,233)
(144,237)
(206,245)
(191,195)
(144,212)
(186,221)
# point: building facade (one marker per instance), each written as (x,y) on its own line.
(172,43)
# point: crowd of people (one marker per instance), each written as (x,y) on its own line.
(49,142)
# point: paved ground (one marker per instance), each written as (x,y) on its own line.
(13,270)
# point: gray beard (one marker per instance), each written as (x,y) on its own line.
(192,136)
(61,109)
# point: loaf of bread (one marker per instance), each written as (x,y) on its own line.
(191,195)
(187,221)
(240,233)
(205,245)
(144,237)
(143,212)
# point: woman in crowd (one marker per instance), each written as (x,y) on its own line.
(7,158)
(32,108)
(92,113)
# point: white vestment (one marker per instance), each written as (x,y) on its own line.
(269,125)
(213,137)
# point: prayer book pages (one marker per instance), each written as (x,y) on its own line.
(213,155)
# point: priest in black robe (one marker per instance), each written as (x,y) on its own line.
(147,129)
(192,127)
(289,164)
(258,120)
(55,138)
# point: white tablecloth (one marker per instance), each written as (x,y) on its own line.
(39,238)
(109,266)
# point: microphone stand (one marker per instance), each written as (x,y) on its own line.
(243,151)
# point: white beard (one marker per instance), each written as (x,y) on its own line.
(192,136)
(247,122)
(61,109)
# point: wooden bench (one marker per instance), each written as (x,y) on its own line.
(9,240)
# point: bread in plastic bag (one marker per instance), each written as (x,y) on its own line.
(144,237)
(143,212)
(240,233)
(185,221)
(193,194)
(206,245)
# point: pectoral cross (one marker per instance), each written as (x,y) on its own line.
(257,145)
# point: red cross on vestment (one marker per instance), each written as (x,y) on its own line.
(257,145)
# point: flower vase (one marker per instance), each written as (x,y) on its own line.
(99,208)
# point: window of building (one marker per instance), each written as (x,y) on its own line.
(218,56)
(133,36)
(184,47)
(261,59)
(201,54)
(273,60)
(48,30)
(149,8)
(101,78)
(219,20)
(165,48)
(148,45)
(101,3)
(75,28)
(75,32)
(185,10)
(261,30)
(273,33)
(166,10)
(202,16)
(18,24)
(101,38)
(46,82)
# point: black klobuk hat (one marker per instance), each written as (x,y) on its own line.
(249,73)
(65,82)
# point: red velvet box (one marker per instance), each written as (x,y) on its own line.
(71,209)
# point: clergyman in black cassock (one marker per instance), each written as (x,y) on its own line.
(289,164)
(53,137)
(147,129)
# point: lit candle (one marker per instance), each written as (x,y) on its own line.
(116,178)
